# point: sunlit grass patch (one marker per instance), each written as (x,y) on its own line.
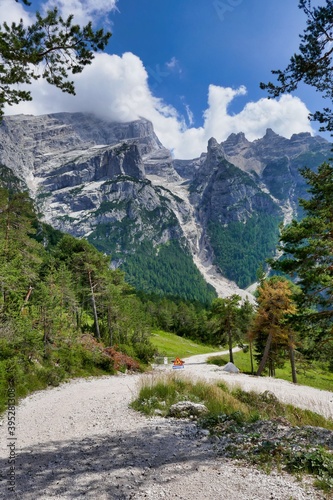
(159,392)
(169,344)
(162,391)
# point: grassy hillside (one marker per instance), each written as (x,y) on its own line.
(169,344)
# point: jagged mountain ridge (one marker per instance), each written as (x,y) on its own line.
(116,185)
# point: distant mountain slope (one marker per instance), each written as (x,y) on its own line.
(172,225)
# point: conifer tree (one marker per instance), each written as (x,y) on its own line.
(227,313)
(270,328)
(313,64)
(20,254)
(307,247)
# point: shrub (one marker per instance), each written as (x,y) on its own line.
(120,361)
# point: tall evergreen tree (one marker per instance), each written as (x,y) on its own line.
(307,247)
(227,313)
(20,254)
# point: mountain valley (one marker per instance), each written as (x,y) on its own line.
(188,228)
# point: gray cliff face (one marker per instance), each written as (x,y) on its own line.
(159,163)
(84,172)
(224,193)
(231,196)
(115,184)
(33,146)
(271,166)
(93,165)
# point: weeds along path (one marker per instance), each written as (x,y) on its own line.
(81,440)
(305,397)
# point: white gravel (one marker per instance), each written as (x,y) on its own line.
(81,440)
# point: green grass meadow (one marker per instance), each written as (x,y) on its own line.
(169,344)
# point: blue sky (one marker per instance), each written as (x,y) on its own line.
(213,43)
(192,67)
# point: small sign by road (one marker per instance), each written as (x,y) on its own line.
(178,364)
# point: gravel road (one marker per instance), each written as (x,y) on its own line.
(81,440)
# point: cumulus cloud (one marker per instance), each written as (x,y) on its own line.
(285,116)
(82,10)
(116,88)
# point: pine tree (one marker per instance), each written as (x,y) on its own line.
(20,254)
(312,65)
(270,329)
(307,247)
(227,313)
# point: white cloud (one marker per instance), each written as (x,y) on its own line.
(190,115)
(82,10)
(174,65)
(11,12)
(285,116)
(116,88)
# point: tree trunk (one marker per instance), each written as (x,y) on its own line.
(46,328)
(251,358)
(292,360)
(110,325)
(98,335)
(265,355)
(26,298)
(231,356)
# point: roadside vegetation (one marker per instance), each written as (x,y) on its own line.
(312,373)
(63,312)
(251,427)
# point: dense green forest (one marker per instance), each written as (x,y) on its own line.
(63,311)
(165,269)
(241,248)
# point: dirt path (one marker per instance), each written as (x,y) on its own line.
(81,440)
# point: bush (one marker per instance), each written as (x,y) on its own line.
(120,361)
(52,375)
(144,351)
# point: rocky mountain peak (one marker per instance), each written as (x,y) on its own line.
(212,143)
(300,137)
(214,152)
(235,139)
(35,145)
(270,134)
(116,185)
